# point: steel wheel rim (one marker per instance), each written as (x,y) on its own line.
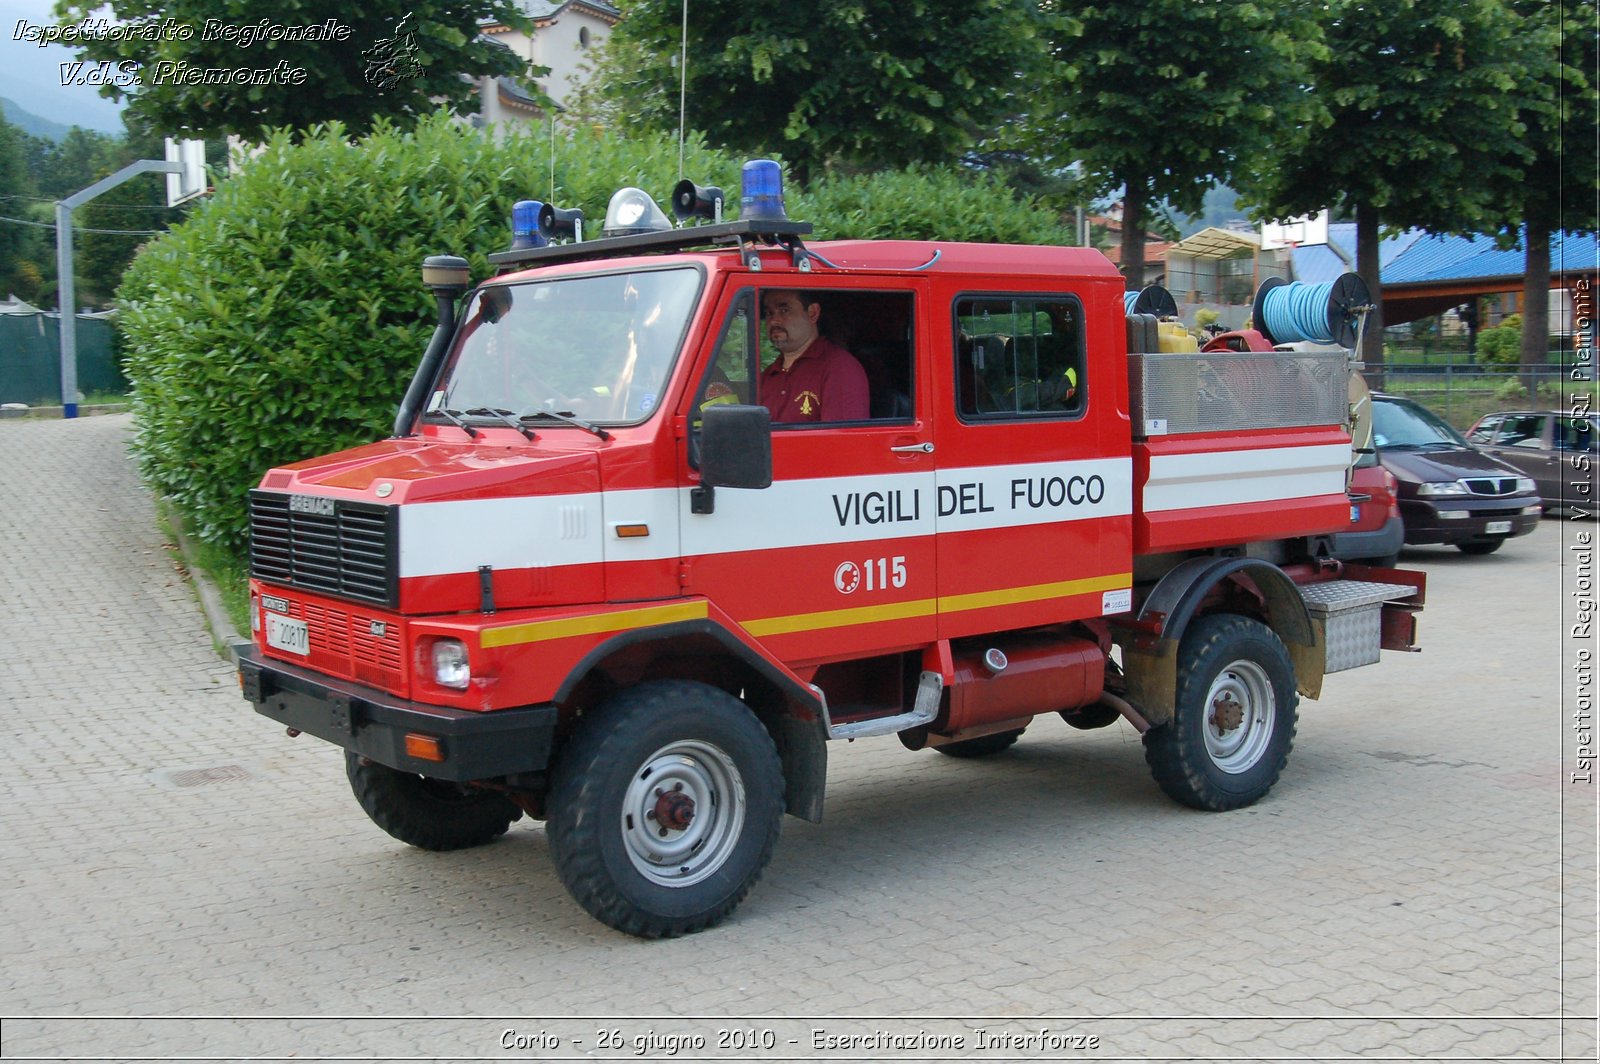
(1246,685)
(661,850)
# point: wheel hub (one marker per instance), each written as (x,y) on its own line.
(674,810)
(1226,713)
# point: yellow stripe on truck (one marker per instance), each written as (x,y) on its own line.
(592,624)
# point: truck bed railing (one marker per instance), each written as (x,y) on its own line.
(1225,391)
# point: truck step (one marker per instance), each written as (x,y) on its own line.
(926,707)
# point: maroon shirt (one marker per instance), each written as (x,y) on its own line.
(825,383)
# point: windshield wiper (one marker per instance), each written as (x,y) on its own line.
(503,415)
(566,417)
(454,417)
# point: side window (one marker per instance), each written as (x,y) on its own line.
(1019,357)
(1521,430)
(1484,431)
(835,355)
(1575,434)
(731,378)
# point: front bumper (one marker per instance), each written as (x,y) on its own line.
(1425,525)
(475,745)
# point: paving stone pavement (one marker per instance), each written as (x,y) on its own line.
(184,880)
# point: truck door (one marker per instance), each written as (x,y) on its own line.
(1034,481)
(835,559)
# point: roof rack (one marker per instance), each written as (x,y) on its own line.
(745,232)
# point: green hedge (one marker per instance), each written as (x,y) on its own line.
(284,317)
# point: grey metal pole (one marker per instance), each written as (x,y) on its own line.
(66,300)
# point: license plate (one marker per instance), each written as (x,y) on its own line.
(1495,528)
(286,633)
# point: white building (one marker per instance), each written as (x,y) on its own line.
(565,34)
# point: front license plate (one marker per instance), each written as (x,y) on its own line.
(1495,528)
(286,633)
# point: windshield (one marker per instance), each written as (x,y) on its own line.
(598,348)
(1396,423)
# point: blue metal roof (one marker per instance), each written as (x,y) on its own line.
(1471,258)
(1416,257)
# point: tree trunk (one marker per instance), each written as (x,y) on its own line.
(1133,205)
(1367,268)
(1535,306)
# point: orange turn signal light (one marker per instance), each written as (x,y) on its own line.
(632,531)
(424,747)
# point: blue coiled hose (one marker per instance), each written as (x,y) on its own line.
(1298,312)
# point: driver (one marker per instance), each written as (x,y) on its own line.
(813,378)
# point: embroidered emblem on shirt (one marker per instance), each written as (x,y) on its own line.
(809,402)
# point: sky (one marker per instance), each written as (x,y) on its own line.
(30,76)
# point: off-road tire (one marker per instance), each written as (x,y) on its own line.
(1226,660)
(1480,546)
(609,784)
(428,813)
(983,745)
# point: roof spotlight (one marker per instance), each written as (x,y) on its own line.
(633,212)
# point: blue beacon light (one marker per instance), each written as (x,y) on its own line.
(761,191)
(525,225)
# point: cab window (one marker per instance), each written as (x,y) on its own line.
(851,356)
(1019,357)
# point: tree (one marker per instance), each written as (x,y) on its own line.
(21,244)
(1421,121)
(208,68)
(1164,97)
(862,84)
(1559,186)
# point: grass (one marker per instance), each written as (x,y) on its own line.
(226,571)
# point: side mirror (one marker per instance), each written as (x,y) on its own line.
(735,452)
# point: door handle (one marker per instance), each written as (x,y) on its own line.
(913,448)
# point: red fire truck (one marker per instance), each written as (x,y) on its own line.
(589,579)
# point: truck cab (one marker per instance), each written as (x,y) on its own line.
(593,578)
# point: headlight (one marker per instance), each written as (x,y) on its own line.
(450,665)
(1443,487)
(1525,484)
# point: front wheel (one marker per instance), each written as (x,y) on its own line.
(664,808)
(1234,718)
(428,813)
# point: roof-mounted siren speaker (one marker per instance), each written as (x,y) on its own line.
(189,182)
(761,192)
(690,200)
(1288,312)
(1154,299)
(525,225)
(555,222)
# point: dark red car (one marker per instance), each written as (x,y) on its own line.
(1450,491)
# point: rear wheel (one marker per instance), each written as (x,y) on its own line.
(1480,546)
(425,812)
(1234,718)
(983,745)
(664,808)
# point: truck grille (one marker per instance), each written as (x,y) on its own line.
(349,549)
(1491,485)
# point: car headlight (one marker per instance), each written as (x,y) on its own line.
(1526,484)
(1443,487)
(450,665)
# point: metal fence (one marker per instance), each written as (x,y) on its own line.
(1461,391)
(30,359)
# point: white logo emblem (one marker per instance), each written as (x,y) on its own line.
(847,577)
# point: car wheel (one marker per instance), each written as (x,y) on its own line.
(664,808)
(1233,719)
